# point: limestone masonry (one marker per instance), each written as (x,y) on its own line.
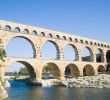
(38,36)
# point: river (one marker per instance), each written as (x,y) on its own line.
(22,91)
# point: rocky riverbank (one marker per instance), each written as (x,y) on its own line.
(99,81)
(50,82)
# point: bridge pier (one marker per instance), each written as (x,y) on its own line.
(62,74)
(38,72)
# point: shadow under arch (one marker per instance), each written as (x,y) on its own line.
(88,70)
(101,69)
(108,61)
(99,55)
(55,45)
(72,70)
(29,67)
(108,56)
(27,39)
(53,70)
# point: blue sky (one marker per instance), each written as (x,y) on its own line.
(89,18)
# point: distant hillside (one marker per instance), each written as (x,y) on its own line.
(88,58)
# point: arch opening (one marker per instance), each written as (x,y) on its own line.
(101,69)
(64,38)
(26,31)
(70,39)
(20,70)
(76,40)
(20,47)
(88,70)
(71,71)
(87,54)
(108,61)
(50,36)
(42,34)
(34,33)
(81,41)
(108,56)
(51,71)
(70,52)
(17,29)
(99,56)
(7,28)
(57,37)
(50,50)
(86,42)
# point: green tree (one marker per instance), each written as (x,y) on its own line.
(2,51)
(2,56)
(46,68)
(23,71)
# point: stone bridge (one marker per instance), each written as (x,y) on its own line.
(38,36)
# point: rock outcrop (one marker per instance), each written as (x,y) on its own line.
(3,94)
(100,81)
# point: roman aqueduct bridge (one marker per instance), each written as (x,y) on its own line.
(38,36)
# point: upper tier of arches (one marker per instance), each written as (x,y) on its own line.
(95,55)
(53,36)
(67,37)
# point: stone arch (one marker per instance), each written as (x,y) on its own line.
(56,47)
(95,43)
(108,56)
(29,40)
(70,39)
(26,31)
(91,43)
(81,41)
(34,32)
(104,45)
(72,70)
(7,28)
(99,55)
(17,29)
(29,67)
(50,35)
(57,36)
(76,40)
(53,69)
(42,34)
(86,42)
(64,37)
(101,45)
(108,61)
(98,44)
(74,52)
(88,57)
(108,46)
(101,69)
(88,70)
